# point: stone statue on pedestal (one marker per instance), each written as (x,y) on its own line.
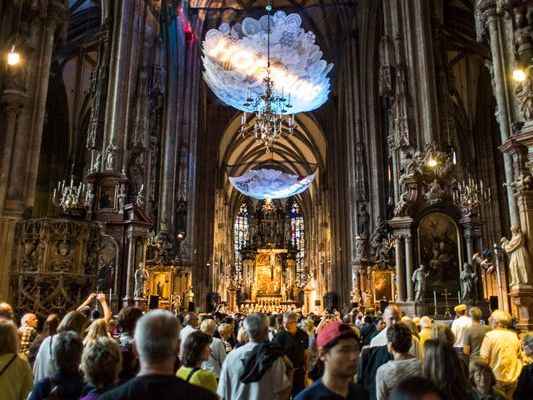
(419,279)
(468,280)
(519,263)
(141,275)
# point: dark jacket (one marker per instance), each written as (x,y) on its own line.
(259,360)
(371,359)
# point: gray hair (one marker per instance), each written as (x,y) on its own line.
(528,341)
(157,336)
(255,324)
(290,316)
(475,313)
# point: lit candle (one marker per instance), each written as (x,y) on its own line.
(435,298)
(110,293)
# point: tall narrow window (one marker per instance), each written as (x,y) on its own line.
(298,236)
(240,234)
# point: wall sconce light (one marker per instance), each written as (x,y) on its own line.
(519,75)
(13,57)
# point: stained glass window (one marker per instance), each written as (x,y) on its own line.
(240,234)
(298,235)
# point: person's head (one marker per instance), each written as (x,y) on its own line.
(191,319)
(425,322)
(368,319)
(416,388)
(442,331)
(101,363)
(391,315)
(6,311)
(30,320)
(208,327)
(482,377)
(338,349)
(9,337)
(399,338)
(475,314)
(67,352)
(196,349)
(411,325)
(242,336)
(290,321)
(256,326)
(443,366)
(50,325)
(460,310)
(380,324)
(127,319)
(500,319)
(97,329)
(73,321)
(527,345)
(156,337)
(225,331)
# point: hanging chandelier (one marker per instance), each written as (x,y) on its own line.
(270,68)
(72,199)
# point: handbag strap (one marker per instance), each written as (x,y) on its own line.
(191,374)
(8,364)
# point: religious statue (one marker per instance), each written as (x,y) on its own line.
(519,263)
(141,275)
(468,280)
(189,296)
(362,219)
(524,95)
(111,151)
(419,279)
(366,299)
(522,37)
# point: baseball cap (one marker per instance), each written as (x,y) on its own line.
(333,331)
(460,307)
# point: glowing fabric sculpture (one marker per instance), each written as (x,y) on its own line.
(271,183)
(235,61)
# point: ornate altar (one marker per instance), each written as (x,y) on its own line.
(269,277)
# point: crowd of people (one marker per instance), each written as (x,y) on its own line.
(89,355)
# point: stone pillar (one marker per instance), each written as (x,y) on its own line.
(400,269)
(492,19)
(409,266)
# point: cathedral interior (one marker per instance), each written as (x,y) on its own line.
(309,154)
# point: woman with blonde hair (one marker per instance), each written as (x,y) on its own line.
(442,331)
(15,372)
(443,366)
(101,363)
(218,351)
(96,330)
(242,337)
(44,363)
(225,331)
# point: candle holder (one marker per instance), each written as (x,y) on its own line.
(71,199)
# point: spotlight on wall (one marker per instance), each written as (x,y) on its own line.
(519,75)
(13,57)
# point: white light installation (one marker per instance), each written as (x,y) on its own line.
(235,62)
(265,183)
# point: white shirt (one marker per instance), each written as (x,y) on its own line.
(183,335)
(216,358)
(416,349)
(44,365)
(459,326)
(231,388)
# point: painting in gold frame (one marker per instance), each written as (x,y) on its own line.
(383,285)
(439,250)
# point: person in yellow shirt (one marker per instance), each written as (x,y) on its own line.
(425,329)
(501,349)
(196,350)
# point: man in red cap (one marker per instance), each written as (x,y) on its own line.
(338,349)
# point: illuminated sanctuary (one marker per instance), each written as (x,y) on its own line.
(267,155)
